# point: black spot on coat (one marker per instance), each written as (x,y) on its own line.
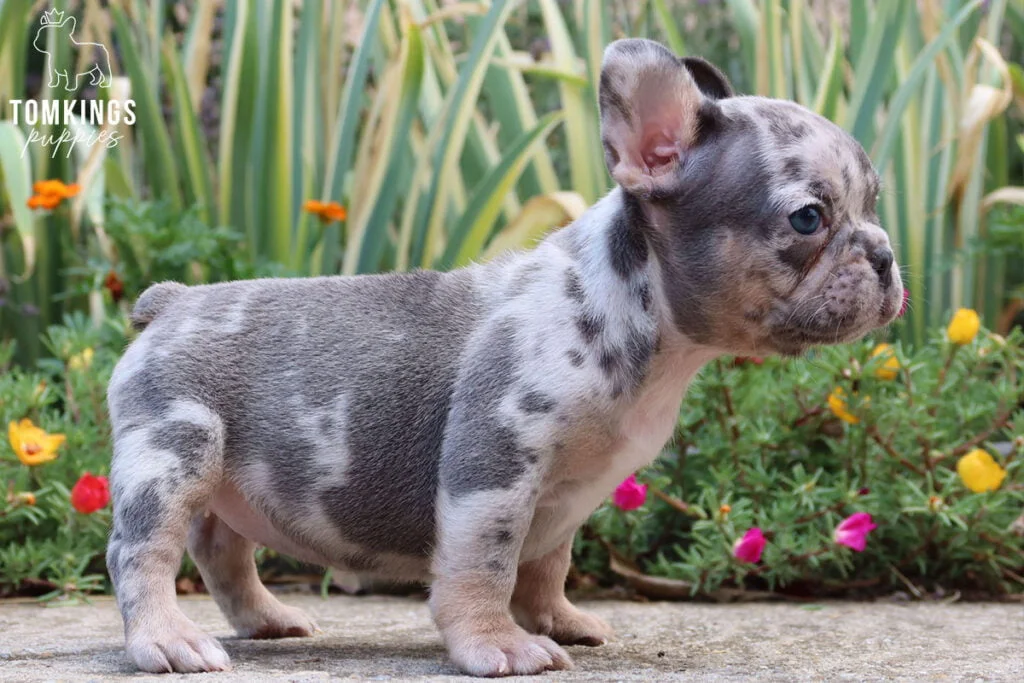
(590,325)
(574,286)
(627,246)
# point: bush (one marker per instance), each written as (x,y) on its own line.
(794,447)
(46,546)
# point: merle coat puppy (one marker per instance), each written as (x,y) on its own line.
(458,427)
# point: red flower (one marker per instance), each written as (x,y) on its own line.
(853,531)
(114,285)
(90,493)
(629,495)
(750,547)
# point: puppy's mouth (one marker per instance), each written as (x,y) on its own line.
(795,341)
(794,333)
(892,303)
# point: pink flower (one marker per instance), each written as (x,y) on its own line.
(853,531)
(629,495)
(749,548)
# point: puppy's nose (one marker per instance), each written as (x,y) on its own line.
(881,261)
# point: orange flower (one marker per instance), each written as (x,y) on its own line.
(326,211)
(43,201)
(50,193)
(52,187)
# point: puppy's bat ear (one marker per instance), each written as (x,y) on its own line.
(651,111)
(709,79)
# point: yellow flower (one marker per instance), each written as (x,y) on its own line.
(963,328)
(891,367)
(980,472)
(32,445)
(81,361)
(26,498)
(837,404)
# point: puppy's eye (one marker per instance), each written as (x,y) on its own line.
(806,220)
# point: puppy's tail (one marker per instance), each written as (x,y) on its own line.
(154,300)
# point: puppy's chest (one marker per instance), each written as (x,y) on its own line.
(597,457)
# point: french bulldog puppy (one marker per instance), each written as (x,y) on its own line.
(457,428)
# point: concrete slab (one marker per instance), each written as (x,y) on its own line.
(392,639)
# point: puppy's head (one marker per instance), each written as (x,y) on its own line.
(761,213)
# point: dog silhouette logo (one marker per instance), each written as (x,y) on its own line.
(60,28)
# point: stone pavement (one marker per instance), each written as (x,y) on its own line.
(390,639)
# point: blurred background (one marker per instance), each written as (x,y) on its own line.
(447,131)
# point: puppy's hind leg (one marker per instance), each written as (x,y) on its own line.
(164,471)
(226,562)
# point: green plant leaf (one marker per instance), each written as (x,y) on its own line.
(448,141)
(908,88)
(17,176)
(191,141)
(156,140)
(346,125)
(368,240)
(470,234)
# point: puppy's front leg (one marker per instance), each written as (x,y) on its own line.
(497,446)
(475,567)
(540,605)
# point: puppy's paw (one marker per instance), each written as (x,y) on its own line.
(180,648)
(568,625)
(506,652)
(275,621)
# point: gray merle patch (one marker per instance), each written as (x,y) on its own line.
(481,452)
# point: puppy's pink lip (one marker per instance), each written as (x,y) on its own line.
(888,312)
(906,303)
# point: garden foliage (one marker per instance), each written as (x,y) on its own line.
(791,448)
